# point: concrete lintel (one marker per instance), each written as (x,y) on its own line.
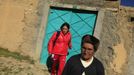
(71,6)
(83,7)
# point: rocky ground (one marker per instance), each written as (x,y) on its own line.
(11,66)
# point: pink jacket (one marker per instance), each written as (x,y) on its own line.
(62,44)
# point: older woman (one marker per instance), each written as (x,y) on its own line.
(85,63)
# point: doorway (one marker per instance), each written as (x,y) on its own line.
(81,22)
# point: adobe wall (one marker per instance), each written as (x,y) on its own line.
(22,24)
(18,25)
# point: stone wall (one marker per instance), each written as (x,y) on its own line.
(109,38)
(116,50)
(127,33)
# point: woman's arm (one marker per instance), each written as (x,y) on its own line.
(50,43)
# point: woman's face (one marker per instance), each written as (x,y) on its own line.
(65,29)
(87,51)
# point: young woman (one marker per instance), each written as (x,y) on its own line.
(58,48)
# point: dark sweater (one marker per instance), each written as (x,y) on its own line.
(75,67)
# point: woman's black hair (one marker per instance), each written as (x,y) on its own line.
(65,24)
(91,39)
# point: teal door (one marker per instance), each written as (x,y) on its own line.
(81,22)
